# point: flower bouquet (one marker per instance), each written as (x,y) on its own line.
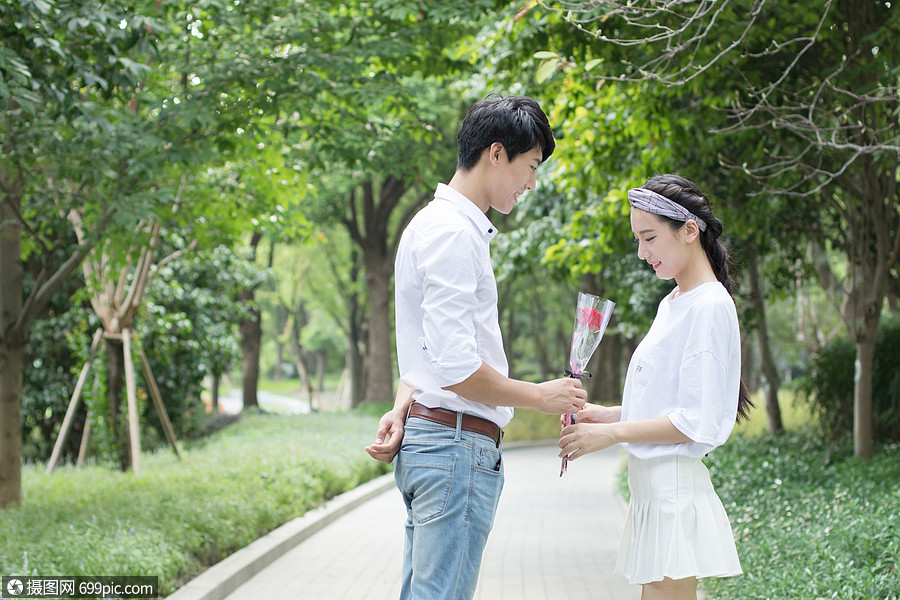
(591,318)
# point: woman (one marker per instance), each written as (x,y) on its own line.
(683,394)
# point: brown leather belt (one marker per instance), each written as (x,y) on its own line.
(445,416)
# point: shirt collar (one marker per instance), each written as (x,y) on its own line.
(469,208)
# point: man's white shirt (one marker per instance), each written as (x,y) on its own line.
(446,303)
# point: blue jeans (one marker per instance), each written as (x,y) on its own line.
(450,480)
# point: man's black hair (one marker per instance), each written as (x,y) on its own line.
(517,122)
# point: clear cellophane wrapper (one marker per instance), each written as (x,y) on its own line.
(591,318)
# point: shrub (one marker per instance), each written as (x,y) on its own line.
(57,347)
(179,516)
(828,386)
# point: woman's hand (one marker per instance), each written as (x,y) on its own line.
(597,413)
(583,438)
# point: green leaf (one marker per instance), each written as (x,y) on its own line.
(133,67)
(42,7)
(544,54)
(90,79)
(546,70)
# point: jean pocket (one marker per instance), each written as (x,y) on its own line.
(488,460)
(426,479)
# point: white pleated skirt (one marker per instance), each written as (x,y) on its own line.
(676,525)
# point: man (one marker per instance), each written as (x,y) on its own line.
(454,395)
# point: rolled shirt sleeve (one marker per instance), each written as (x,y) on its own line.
(701,413)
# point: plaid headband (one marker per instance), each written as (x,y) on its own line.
(650,201)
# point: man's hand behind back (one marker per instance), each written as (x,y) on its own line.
(388,437)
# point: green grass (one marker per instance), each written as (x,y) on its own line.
(794,414)
(286,387)
(177,517)
(810,520)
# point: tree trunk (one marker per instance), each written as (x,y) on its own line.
(355,334)
(873,249)
(549,369)
(115,384)
(748,361)
(873,223)
(861,318)
(15,322)
(380,386)
(610,351)
(279,360)
(251,337)
(214,403)
(281,321)
(604,386)
(321,363)
(368,221)
(356,368)
(12,343)
(11,367)
(317,384)
(862,385)
(509,332)
(767,361)
(298,355)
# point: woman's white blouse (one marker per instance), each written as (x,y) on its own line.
(687,368)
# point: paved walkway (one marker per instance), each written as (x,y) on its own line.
(553,538)
(232,403)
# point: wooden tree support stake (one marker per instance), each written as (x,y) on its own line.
(73,404)
(158,403)
(82,451)
(133,431)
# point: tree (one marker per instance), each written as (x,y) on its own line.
(118,282)
(344,96)
(752,94)
(314,318)
(188,326)
(825,87)
(85,126)
(542,332)
(69,138)
(374,192)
